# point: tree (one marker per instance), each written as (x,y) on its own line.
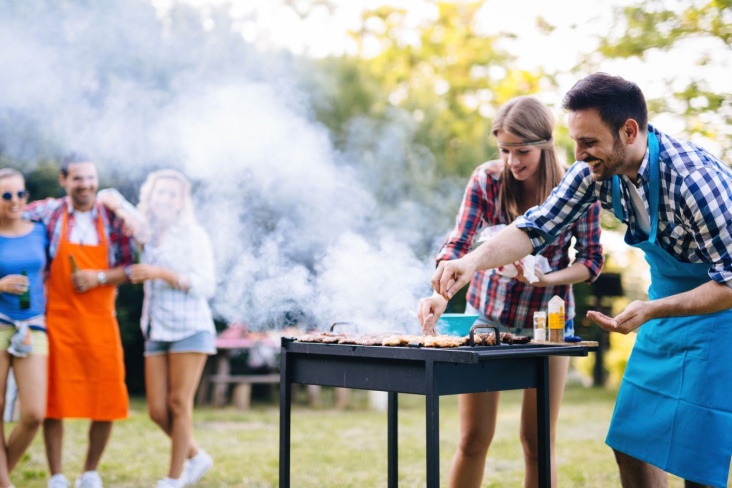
(700,96)
(447,74)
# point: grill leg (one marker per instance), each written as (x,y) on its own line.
(393,440)
(432,408)
(285,421)
(542,421)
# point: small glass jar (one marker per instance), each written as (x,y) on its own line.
(540,326)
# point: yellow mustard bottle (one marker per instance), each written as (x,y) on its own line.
(556,319)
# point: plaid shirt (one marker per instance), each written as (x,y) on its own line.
(506,300)
(171,314)
(694,214)
(51,210)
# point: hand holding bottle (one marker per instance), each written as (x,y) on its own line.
(14,284)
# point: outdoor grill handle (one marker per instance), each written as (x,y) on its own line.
(333,325)
(484,326)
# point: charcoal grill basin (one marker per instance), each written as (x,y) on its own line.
(424,371)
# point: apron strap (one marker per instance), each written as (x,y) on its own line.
(654,185)
(617,206)
(654,188)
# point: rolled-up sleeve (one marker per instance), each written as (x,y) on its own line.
(478,202)
(708,217)
(587,241)
(566,204)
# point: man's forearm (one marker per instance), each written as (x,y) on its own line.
(705,299)
(506,247)
(116,276)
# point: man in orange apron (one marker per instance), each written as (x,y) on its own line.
(86,364)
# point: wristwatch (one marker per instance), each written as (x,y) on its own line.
(102,278)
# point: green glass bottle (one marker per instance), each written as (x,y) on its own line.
(25,296)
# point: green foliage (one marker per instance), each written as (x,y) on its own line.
(650,25)
(341,90)
(129,309)
(446,74)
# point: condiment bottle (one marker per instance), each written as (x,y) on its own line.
(556,319)
(24,298)
(540,326)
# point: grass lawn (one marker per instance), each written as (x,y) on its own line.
(338,448)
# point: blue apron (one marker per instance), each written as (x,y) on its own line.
(674,406)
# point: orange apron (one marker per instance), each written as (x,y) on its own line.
(86,374)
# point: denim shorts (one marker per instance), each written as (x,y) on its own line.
(40,340)
(201,342)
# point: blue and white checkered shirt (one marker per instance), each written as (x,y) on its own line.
(171,314)
(695,206)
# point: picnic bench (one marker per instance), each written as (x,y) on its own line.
(218,379)
(220,385)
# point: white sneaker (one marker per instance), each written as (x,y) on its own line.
(196,467)
(170,483)
(90,479)
(58,481)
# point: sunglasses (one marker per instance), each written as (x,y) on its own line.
(7,196)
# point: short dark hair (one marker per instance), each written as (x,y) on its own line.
(616,100)
(71,158)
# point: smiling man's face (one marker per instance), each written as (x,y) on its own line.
(81,184)
(595,145)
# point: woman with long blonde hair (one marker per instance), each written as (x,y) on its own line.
(177,267)
(523,128)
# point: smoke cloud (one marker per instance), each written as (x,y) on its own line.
(302,231)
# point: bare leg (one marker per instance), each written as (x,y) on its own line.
(635,473)
(4,371)
(529,433)
(31,376)
(477,426)
(99,432)
(184,373)
(53,436)
(156,390)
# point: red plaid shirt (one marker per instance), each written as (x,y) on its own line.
(51,210)
(506,300)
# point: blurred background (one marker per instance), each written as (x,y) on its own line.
(330,142)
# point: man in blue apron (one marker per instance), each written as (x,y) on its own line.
(674,407)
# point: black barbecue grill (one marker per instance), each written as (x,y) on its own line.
(423,371)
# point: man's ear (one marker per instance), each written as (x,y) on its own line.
(630,130)
(62,179)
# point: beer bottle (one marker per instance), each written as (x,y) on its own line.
(25,296)
(74,266)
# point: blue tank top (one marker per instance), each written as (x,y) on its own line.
(25,253)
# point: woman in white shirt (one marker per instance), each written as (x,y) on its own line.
(177,267)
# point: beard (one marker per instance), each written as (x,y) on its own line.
(612,165)
(83,201)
